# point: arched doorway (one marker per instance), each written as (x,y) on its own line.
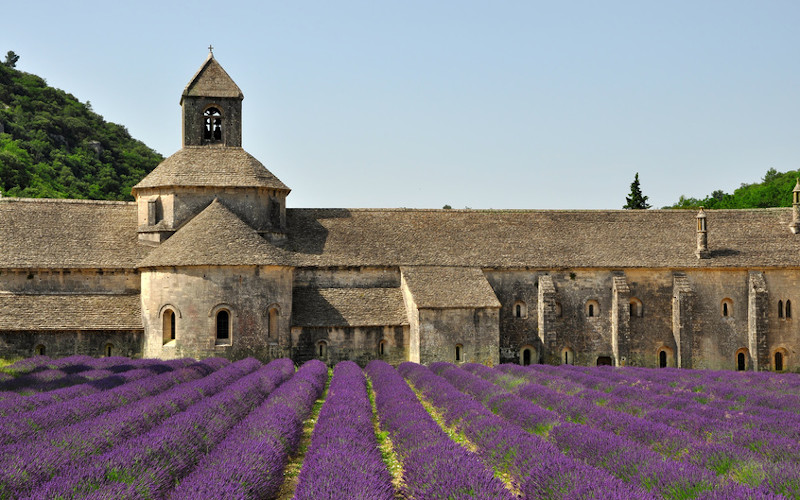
(604,361)
(527,355)
(778,361)
(662,359)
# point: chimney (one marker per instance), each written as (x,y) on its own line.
(702,236)
(795,225)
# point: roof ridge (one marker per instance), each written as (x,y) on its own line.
(6,199)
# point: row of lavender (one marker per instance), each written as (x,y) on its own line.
(620,432)
(142,437)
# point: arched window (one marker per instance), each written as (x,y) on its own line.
(567,356)
(665,357)
(168,325)
(459,352)
(592,308)
(788,309)
(559,312)
(382,348)
(108,350)
(780,308)
(40,350)
(272,326)
(223,327)
(212,125)
(635,308)
(520,309)
(726,308)
(322,349)
(741,359)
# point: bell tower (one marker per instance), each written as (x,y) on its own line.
(211,106)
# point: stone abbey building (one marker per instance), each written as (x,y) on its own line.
(209,261)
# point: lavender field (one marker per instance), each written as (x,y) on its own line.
(81,427)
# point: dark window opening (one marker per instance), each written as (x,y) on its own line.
(778,362)
(630,309)
(526,357)
(780,308)
(725,309)
(382,348)
(591,310)
(275,214)
(662,359)
(740,362)
(223,325)
(788,308)
(604,361)
(109,349)
(212,125)
(458,353)
(519,311)
(40,350)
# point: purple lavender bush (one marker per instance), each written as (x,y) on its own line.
(343,460)
(433,465)
(255,452)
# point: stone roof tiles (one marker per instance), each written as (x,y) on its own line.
(541,238)
(70,312)
(46,233)
(331,307)
(211,166)
(211,80)
(216,237)
(435,287)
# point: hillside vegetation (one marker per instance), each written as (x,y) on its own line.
(775,190)
(54,146)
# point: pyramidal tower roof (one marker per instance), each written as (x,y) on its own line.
(211,80)
(216,237)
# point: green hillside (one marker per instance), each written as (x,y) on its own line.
(775,190)
(54,146)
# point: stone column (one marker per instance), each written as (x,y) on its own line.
(682,314)
(758,321)
(620,320)
(546,310)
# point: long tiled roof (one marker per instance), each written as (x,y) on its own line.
(216,237)
(70,312)
(44,233)
(330,307)
(211,166)
(90,234)
(449,287)
(541,238)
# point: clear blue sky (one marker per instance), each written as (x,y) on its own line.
(495,104)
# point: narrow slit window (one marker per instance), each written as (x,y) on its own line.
(788,309)
(459,354)
(223,325)
(780,308)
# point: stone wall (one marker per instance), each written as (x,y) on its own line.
(476,331)
(117,281)
(197,293)
(359,344)
(66,343)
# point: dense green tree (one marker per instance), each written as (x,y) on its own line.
(636,200)
(774,190)
(52,145)
(11,59)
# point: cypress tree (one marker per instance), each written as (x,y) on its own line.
(636,200)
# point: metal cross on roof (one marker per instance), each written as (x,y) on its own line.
(211,48)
